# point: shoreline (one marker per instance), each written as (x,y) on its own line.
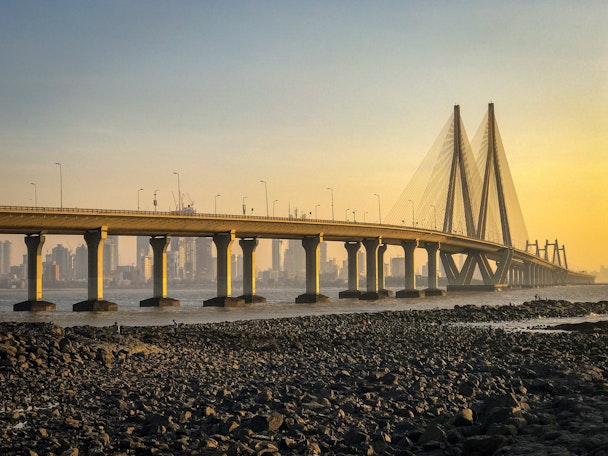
(394,383)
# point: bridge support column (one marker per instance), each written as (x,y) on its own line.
(95,302)
(312,295)
(159,278)
(381,280)
(352,249)
(248,246)
(409,247)
(223,243)
(432,283)
(527,275)
(34,301)
(371,260)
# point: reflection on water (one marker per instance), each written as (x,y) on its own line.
(280,304)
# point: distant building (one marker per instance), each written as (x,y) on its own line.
(63,259)
(110,255)
(398,267)
(204,259)
(5,257)
(81,264)
(278,255)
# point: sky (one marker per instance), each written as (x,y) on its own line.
(304,96)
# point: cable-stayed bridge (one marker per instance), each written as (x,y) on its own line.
(460,206)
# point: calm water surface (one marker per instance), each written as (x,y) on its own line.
(280,304)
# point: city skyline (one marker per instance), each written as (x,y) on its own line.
(230,102)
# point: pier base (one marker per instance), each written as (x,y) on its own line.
(387,293)
(159,302)
(311,298)
(410,294)
(95,305)
(372,296)
(349,294)
(434,292)
(224,301)
(34,306)
(252,298)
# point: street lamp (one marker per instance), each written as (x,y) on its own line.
(244,206)
(216,203)
(60,185)
(434,218)
(266,189)
(354,216)
(155,202)
(411,201)
(332,202)
(138,192)
(35,194)
(179,193)
(346,214)
(379,214)
(273,203)
(316,206)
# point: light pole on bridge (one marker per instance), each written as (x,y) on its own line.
(138,192)
(35,195)
(346,214)
(273,203)
(331,189)
(60,185)
(179,193)
(244,206)
(379,213)
(215,206)
(155,202)
(266,189)
(316,206)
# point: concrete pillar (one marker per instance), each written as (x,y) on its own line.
(371,256)
(432,287)
(248,246)
(527,275)
(95,302)
(34,301)
(159,277)
(409,247)
(311,247)
(381,279)
(352,249)
(223,243)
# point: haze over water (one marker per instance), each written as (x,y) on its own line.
(280,304)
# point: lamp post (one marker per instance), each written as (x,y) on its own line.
(316,206)
(411,201)
(434,218)
(379,213)
(155,202)
(266,189)
(216,196)
(332,202)
(355,216)
(179,193)
(60,185)
(138,192)
(35,194)
(346,214)
(244,206)
(273,203)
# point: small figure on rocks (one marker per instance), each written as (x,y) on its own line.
(175,325)
(116,328)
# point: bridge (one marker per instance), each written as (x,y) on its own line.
(476,221)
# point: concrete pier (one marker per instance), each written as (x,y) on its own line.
(223,243)
(34,301)
(312,295)
(410,291)
(352,249)
(432,289)
(159,299)
(371,262)
(249,293)
(95,302)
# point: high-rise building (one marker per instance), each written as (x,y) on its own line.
(398,266)
(142,257)
(295,260)
(110,255)
(62,258)
(204,259)
(277,255)
(5,257)
(81,265)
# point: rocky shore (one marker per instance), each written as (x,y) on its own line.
(393,383)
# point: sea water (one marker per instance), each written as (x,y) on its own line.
(280,303)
